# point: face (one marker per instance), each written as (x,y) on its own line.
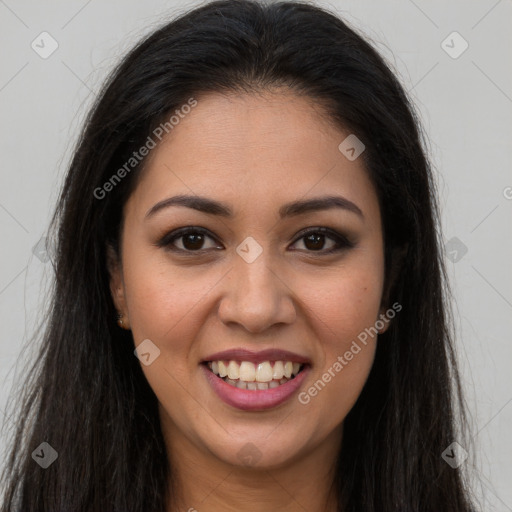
(246,284)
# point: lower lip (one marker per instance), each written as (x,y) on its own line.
(258,399)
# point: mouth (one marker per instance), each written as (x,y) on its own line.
(255,376)
(255,381)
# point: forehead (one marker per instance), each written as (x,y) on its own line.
(254,150)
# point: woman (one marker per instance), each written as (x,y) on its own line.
(249,309)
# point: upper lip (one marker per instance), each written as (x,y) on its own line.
(270,354)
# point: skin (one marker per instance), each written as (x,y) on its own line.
(253,152)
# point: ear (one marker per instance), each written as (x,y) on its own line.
(383,322)
(117,289)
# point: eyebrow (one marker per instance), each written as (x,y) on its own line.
(295,208)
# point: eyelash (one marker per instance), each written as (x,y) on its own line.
(342,242)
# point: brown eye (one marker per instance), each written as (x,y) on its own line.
(193,241)
(187,240)
(315,240)
(190,240)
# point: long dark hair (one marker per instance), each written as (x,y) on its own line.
(87,396)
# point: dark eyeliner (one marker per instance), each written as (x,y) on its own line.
(342,241)
(166,241)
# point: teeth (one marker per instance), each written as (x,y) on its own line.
(223,371)
(278,370)
(247,375)
(247,372)
(233,370)
(264,372)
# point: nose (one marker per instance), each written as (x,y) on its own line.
(256,295)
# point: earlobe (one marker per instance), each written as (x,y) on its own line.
(383,322)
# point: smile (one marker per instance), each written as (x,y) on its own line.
(250,376)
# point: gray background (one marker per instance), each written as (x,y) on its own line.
(466,107)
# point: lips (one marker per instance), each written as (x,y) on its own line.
(255,380)
(271,355)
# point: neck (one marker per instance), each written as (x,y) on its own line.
(203,482)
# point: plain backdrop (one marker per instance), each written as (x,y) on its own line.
(464,97)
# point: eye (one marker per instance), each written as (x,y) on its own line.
(189,240)
(314,240)
(192,239)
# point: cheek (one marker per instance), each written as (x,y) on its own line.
(344,302)
(346,306)
(343,310)
(163,300)
(164,305)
